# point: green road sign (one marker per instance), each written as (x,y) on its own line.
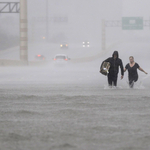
(132,23)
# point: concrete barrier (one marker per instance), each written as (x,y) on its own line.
(5,62)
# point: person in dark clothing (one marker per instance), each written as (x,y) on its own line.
(115,62)
(132,71)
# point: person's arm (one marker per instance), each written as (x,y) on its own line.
(142,70)
(122,70)
(126,67)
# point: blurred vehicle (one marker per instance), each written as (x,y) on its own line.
(39,57)
(61,59)
(86,44)
(64,45)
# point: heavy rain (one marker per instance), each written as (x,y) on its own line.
(52,94)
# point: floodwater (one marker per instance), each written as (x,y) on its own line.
(71,108)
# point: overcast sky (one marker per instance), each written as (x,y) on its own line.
(136,8)
(84,15)
(129,7)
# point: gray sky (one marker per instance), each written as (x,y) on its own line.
(129,7)
(136,8)
(84,15)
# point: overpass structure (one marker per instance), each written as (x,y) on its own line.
(16,7)
(9,7)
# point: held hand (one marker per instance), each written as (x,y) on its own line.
(121,77)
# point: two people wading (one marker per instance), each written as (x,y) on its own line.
(115,62)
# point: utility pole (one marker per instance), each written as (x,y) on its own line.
(23,31)
(47,21)
(103,35)
(149,22)
(33,31)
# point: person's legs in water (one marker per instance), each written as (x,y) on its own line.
(112,80)
(132,80)
(115,80)
(131,83)
(109,81)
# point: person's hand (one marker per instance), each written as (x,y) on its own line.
(100,71)
(145,72)
(121,77)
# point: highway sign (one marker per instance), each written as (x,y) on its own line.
(132,23)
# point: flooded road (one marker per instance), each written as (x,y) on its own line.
(71,110)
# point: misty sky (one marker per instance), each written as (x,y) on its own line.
(129,7)
(136,8)
(84,16)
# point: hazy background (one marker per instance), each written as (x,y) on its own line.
(83,20)
(75,21)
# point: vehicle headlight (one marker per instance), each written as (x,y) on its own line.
(61,45)
(83,42)
(83,45)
